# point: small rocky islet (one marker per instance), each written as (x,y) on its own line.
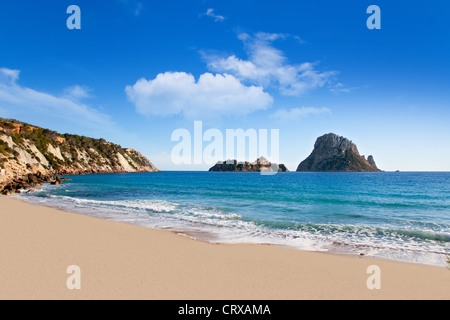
(333,153)
(260,165)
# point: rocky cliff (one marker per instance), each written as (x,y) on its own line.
(29,153)
(261,164)
(333,153)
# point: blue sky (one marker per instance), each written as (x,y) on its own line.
(138,70)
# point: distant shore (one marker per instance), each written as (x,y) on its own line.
(121,261)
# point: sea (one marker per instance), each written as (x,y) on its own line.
(401,216)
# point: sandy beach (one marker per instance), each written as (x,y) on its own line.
(120,261)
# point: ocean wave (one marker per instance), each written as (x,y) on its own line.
(223,226)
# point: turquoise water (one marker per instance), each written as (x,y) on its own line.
(398,216)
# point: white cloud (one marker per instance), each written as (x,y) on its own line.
(17,100)
(268,66)
(217,18)
(340,88)
(237,89)
(78,92)
(9,76)
(296,114)
(178,93)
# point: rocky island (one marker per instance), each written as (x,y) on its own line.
(30,156)
(260,165)
(333,153)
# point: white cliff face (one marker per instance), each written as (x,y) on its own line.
(29,150)
(8,140)
(56,152)
(19,160)
(41,158)
(125,164)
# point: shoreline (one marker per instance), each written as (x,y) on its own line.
(215,237)
(211,238)
(29,181)
(124,261)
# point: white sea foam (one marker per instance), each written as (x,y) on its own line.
(215,225)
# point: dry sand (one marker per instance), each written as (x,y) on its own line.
(120,261)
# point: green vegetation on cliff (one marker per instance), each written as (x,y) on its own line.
(29,145)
